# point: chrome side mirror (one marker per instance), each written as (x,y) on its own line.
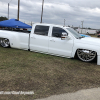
(64,35)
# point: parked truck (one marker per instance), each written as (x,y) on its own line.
(54,40)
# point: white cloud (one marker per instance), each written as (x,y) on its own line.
(92,11)
(55,11)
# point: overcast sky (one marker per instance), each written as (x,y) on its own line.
(55,11)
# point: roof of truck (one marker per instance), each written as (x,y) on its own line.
(51,25)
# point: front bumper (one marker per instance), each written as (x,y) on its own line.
(98,60)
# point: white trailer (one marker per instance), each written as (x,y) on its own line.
(86,31)
(91,32)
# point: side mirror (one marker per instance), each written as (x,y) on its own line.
(64,35)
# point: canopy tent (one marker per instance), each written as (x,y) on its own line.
(14,23)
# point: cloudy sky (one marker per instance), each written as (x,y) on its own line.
(55,11)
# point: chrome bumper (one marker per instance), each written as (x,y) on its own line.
(98,60)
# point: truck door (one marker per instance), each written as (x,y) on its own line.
(60,47)
(39,39)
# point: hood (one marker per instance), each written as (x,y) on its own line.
(89,40)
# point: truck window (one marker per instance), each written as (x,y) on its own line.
(56,32)
(41,30)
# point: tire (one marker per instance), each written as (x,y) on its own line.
(87,33)
(86,55)
(98,35)
(4,42)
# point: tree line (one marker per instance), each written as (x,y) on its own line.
(3,18)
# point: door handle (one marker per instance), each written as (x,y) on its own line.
(33,37)
(52,40)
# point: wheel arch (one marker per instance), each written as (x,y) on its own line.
(12,39)
(7,40)
(76,56)
(83,49)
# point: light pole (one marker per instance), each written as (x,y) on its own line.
(64,22)
(18,9)
(42,10)
(82,26)
(8,10)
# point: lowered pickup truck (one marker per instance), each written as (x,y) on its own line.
(54,40)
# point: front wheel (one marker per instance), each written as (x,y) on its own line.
(4,42)
(86,55)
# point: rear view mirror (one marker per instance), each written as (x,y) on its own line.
(64,35)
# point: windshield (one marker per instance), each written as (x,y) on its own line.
(76,35)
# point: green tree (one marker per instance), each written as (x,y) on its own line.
(3,18)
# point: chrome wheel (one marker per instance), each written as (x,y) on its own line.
(86,55)
(4,42)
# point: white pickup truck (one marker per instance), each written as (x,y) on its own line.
(55,40)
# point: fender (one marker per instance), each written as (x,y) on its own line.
(87,46)
(12,36)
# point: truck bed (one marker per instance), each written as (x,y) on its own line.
(16,30)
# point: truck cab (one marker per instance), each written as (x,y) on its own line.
(46,38)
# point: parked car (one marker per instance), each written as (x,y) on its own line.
(85,35)
(98,32)
(54,40)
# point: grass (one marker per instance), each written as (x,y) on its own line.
(46,75)
(94,35)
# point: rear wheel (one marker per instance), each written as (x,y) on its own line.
(4,42)
(86,55)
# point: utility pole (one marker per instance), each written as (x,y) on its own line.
(64,22)
(31,23)
(8,10)
(42,10)
(18,9)
(82,26)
